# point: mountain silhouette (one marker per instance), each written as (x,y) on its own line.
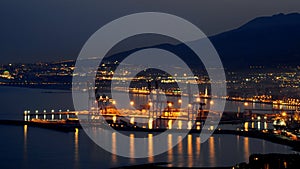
(266,41)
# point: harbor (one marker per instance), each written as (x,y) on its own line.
(255,123)
(208,152)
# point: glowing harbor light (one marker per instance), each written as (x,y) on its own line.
(246,126)
(132,120)
(114,119)
(198,99)
(170,124)
(59,114)
(258,118)
(68,116)
(150,124)
(114,102)
(179,101)
(211,102)
(150,103)
(170,104)
(25,115)
(131,103)
(189,105)
(246,104)
(36,116)
(283,114)
(179,124)
(265,125)
(190,124)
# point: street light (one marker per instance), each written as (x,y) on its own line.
(179,101)
(150,103)
(131,103)
(283,114)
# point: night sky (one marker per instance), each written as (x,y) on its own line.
(51,30)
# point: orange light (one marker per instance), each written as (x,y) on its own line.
(283,114)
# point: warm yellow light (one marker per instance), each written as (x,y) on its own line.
(179,124)
(170,124)
(283,114)
(113,102)
(150,125)
(190,124)
(170,104)
(150,103)
(198,99)
(211,102)
(246,126)
(190,105)
(246,104)
(132,120)
(114,119)
(179,101)
(131,103)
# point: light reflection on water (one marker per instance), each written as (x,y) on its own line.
(189,150)
(132,148)
(246,147)
(219,150)
(150,148)
(76,150)
(212,151)
(25,129)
